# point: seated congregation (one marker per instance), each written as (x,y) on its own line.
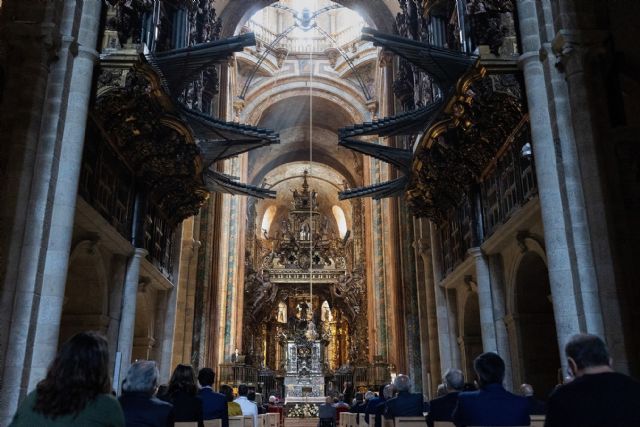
(77,392)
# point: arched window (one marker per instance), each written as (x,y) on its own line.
(338,214)
(267,219)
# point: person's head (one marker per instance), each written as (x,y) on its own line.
(359,397)
(77,375)
(341,397)
(586,351)
(206,377)
(369,395)
(388,391)
(272,400)
(489,368)
(453,379)
(328,400)
(441,390)
(243,390)
(227,391)
(251,395)
(183,379)
(142,376)
(402,383)
(526,390)
(162,390)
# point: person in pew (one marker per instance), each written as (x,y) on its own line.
(249,408)
(183,394)
(597,396)
(141,408)
(405,404)
(233,409)
(76,390)
(359,404)
(251,395)
(327,413)
(536,407)
(373,403)
(491,405)
(214,405)
(442,407)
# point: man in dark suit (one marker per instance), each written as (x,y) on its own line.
(443,406)
(139,405)
(491,405)
(536,407)
(327,413)
(405,404)
(214,405)
(597,396)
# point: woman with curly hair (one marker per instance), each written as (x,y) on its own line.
(183,394)
(76,390)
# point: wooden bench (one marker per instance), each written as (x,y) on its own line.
(237,421)
(537,420)
(443,424)
(186,424)
(248,421)
(361,421)
(272,419)
(410,422)
(213,423)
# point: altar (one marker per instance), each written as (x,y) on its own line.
(304,379)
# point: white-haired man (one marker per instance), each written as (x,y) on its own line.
(441,408)
(405,404)
(138,403)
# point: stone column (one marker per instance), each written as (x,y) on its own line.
(56,258)
(447,342)
(485,300)
(128,315)
(567,303)
(499,312)
(43,174)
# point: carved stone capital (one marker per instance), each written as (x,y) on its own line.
(523,235)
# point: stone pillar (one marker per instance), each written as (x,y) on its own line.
(485,300)
(128,315)
(427,309)
(65,193)
(447,341)
(499,312)
(166,364)
(567,303)
(45,156)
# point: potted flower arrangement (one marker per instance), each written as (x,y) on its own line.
(304,410)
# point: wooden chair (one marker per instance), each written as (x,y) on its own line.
(237,421)
(248,421)
(537,420)
(262,420)
(443,424)
(186,424)
(386,422)
(361,421)
(272,419)
(410,422)
(213,423)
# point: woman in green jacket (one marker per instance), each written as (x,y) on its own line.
(76,390)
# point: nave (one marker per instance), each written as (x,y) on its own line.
(306,196)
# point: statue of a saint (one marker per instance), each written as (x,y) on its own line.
(326,315)
(282,312)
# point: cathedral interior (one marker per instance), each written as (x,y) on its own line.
(402,183)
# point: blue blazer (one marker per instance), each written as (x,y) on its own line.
(405,404)
(214,406)
(491,406)
(442,408)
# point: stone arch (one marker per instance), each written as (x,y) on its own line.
(86,296)
(470,339)
(533,327)
(378,14)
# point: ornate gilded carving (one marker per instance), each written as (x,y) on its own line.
(487,22)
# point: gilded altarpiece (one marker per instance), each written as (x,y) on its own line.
(304,283)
